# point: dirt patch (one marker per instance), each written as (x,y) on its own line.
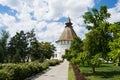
(78,75)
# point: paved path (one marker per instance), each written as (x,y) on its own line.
(59,72)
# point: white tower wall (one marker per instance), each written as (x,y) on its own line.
(61,47)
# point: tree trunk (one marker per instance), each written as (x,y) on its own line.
(119,62)
(93,69)
(28,58)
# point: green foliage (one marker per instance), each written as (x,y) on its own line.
(96,41)
(17,58)
(96,17)
(53,62)
(91,43)
(82,58)
(75,48)
(115,43)
(47,49)
(68,54)
(18,45)
(24,47)
(21,71)
(76,45)
(5,75)
(95,61)
(35,51)
(3,45)
(91,50)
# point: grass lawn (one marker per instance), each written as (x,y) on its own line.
(105,72)
(71,75)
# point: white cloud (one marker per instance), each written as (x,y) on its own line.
(6,20)
(43,11)
(115,13)
(16,4)
(73,8)
(52,33)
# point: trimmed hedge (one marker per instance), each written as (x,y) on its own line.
(21,71)
(53,62)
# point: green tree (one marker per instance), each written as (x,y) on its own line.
(97,39)
(24,47)
(17,57)
(96,17)
(47,49)
(101,26)
(76,45)
(34,49)
(115,43)
(91,49)
(75,48)
(3,45)
(18,44)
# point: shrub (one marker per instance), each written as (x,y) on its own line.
(45,65)
(11,71)
(53,62)
(21,71)
(5,75)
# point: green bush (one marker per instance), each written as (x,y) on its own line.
(3,74)
(53,62)
(21,71)
(11,71)
(45,65)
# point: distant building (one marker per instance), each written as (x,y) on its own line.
(65,39)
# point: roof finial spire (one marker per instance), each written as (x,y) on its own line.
(68,23)
(69,20)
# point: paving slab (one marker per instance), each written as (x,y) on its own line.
(58,72)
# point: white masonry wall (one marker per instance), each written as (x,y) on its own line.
(60,49)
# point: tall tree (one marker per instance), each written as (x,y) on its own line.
(97,39)
(91,49)
(33,48)
(3,45)
(18,44)
(115,43)
(35,51)
(99,23)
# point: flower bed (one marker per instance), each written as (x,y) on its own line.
(78,75)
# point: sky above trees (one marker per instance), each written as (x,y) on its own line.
(48,17)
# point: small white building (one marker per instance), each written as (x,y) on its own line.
(65,39)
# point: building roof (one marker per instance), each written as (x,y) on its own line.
(68,33)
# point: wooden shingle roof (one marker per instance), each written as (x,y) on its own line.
(68,33)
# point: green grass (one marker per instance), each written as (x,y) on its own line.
(105,72)
(71,75)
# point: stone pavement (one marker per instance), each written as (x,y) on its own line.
(59,72)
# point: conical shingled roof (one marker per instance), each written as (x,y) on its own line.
(68,33)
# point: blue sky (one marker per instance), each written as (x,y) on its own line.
(108,3)
(48,17)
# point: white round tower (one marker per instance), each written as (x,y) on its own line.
(65,39)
